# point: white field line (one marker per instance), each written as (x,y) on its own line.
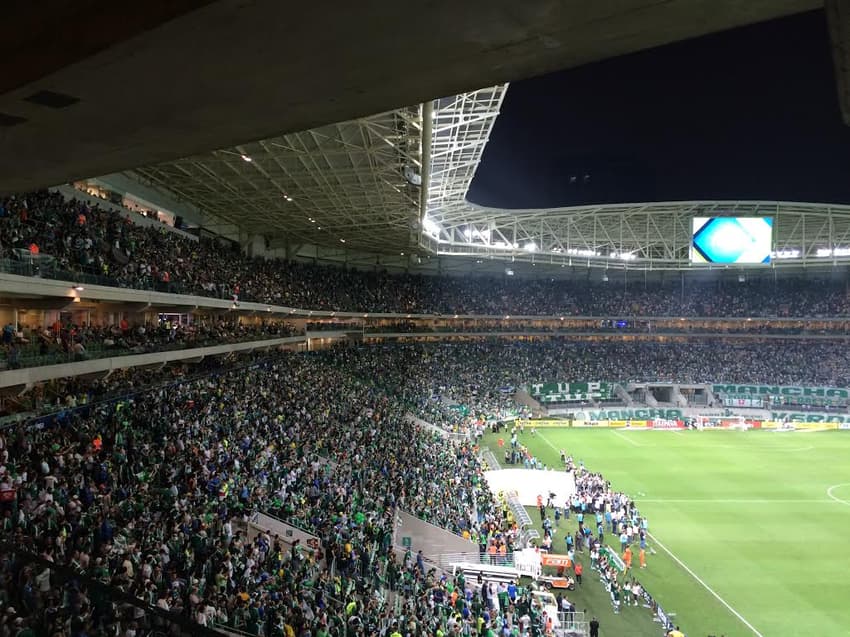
(546,440)
(627,439)
(706,586)
(738,501)
(836,498)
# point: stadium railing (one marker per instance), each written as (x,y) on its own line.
(96,351)
(52,417)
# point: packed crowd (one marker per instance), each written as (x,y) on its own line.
(443,382)
(68,341)
(148,496)
(617,326)
(482,373)
(84,239)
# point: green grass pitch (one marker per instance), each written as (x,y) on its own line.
(751,529)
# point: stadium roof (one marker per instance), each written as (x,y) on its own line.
(362,186)
(634,236)
(96,87)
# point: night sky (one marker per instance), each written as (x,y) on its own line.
(746,114)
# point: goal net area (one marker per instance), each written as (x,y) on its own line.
(740,423)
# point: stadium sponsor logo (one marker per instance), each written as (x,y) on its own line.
(782,416)
(782,390)
(844,425)
(633,414)
(664,423)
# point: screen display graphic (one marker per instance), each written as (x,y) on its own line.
(732,240)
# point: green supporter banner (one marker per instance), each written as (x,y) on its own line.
(808,416)
(781,390)
(463,410)
(571,392)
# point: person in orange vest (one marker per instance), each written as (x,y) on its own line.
(627,557)
(33,248)
(642,558)
(578,569)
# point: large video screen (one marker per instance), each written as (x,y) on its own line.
(732,239)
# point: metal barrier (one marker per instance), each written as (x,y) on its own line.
(490,459)
(446,560)
(573,624)
(523,520)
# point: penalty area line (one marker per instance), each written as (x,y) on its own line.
(546,440)
(706,586)
(627,439)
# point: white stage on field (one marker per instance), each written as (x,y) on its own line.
(529,483)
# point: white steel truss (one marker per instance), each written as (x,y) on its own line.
(633,236)
(353,184)
(461,129)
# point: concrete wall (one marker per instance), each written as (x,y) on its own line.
(32,375)
(432,540)
(286,532)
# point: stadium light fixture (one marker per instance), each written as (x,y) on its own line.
(530,246)
(790,253)
(823,252)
